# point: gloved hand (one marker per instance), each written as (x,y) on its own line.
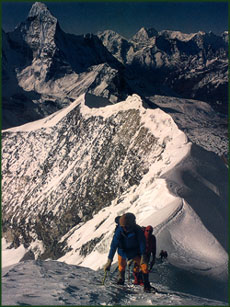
(107,266)
(144,259)
(151,264)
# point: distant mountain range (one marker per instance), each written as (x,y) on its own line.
(177,64)
(45,69)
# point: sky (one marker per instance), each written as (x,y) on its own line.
(124,17)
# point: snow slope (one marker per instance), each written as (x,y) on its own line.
(202,125)
(55,283)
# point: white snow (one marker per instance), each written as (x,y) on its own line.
(49,121)
(11,255)
(54,283)
(201,123)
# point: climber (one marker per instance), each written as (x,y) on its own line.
(150,245)
(163,254)
(129,240)
(150,250)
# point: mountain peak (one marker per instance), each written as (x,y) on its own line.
(145,34)
(38,9)
(40,29)
(150,32)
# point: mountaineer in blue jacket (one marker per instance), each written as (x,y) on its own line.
(130,242)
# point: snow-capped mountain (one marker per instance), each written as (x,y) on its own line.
(45,69)
(174,63)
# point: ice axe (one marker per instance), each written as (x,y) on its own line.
(129,264)
(105,275)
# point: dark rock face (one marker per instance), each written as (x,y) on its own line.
(28,256)
(87,248)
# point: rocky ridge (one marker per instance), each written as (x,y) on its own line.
(63,174)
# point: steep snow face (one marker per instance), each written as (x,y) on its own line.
(66,178)
(39,31)
(65,168)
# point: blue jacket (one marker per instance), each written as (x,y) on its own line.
(129,244)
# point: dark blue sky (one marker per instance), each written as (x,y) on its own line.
(126,18)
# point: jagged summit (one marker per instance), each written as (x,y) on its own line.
(110,35)
(145,34)
(40,14)
(39,31)
(38,9)
(48,63)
